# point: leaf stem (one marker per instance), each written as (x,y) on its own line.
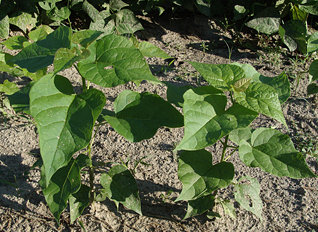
(225,146)
(230,155)
(91,167)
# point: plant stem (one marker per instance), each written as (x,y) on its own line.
(91,167)
(230,155)
(224,147)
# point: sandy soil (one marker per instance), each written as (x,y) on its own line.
(288,204)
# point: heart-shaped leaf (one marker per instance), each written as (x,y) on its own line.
(40,54)
(206,120)
(280,83)
(199,206)
(199,177)
(221,76)
(275,153)
(263,99)
(114,60)
(63,183)
(120,186)
(65,121)
(136,119)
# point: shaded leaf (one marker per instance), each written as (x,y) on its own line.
(40,32)
(85,37)
(280,83)
(40,54)
(64,120)
(78,202)
(120,186)
(63,183)
(19,101)
(312,88)
(267,21)
(275,153)
(15,42)
(64,58)
(136,118)
(295,31)
(206,120)
(313,70)
(175,93)
(247,195)
(114,61)
(199,177)
(199,206)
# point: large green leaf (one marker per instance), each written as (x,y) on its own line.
(24,21)
(120,186)
(63,183)
(309,6)
(15,42)
(206,120)
(41,53)
(138,116)
(275,153)
(40,32)
(263,99)
(312,45)
(149,50)
(280,83)
(221,76)
(126,22)
(199,206)
(64,120)
(114,61)
(247,194)
(4,26)
(267,21)
(296,30)
(199,177)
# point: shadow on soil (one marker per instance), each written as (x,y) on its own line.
(14,184)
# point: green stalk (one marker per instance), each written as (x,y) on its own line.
(224,147)
(91,167)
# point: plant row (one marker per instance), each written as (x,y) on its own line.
(66,120)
